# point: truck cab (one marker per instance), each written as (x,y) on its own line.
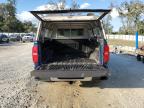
(70,45)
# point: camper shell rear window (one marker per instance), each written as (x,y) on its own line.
(70,32)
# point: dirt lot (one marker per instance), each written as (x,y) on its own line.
(124,89)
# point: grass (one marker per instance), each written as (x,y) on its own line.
(119,42)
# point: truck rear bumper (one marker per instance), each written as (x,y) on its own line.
(69,75)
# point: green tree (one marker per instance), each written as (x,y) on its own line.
(107,25)
(1,17)
(131,14)
(8,20)
(141,27)
(29,27)
(61,4)
(58,4)
(107,22)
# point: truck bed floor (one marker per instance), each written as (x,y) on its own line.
(72,65)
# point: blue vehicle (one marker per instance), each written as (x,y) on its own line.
(4,38)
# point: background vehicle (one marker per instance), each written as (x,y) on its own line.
(27,38)
(15,38)
(70,47)
(4,38)
(140,54)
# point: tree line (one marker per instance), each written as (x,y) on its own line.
(9,22)
(132,17)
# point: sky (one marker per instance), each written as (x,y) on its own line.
(24,6)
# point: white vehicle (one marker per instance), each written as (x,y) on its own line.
(27,39)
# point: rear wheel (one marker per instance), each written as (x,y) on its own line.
(104,78)
(99,79)
(7,41)
(138,58)
(96,80)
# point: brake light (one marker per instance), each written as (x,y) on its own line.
(35,54)
(106,53)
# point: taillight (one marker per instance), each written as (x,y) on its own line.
(106,53)
(35,54)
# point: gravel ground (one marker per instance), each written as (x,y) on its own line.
(124,89)
(17,88)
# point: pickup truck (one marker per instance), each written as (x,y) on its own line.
(70,45)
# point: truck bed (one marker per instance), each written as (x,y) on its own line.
(72,65)
(69,60)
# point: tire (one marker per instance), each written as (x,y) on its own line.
(104,78)
(44,80)
(8,41)
(138,58)
(100,78)
(96,80)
